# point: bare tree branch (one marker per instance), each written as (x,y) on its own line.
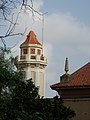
(3,41)
(10,31)
(31,8)
(6,8)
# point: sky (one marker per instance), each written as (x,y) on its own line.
(66,34)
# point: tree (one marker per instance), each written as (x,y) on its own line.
(8,18)
(19,99)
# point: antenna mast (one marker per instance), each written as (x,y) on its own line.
(42,31)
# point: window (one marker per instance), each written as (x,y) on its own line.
(25,51)
(38,52)
(32,51)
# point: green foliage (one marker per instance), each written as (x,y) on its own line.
(19,100)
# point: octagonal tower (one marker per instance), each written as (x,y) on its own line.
(32,61)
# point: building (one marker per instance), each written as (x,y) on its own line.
(74,89)
(76,85)
(32,61)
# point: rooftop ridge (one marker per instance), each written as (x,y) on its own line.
(79,78)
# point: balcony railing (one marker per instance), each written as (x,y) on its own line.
(42,58)
(33,58)
(22,57)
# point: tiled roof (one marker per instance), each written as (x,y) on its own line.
(80,78)
(31,39)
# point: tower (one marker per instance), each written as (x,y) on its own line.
(32,61)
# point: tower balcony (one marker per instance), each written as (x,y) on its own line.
(33,58)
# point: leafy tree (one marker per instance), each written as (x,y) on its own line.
(19,99)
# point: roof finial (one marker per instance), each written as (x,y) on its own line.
(66,66)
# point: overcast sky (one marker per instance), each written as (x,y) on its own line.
(66,34)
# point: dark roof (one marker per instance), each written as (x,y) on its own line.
(31,39)
(80,78)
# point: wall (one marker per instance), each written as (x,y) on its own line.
(81,108)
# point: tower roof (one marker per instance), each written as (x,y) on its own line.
(31,39)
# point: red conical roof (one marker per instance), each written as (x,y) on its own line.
(31,39)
